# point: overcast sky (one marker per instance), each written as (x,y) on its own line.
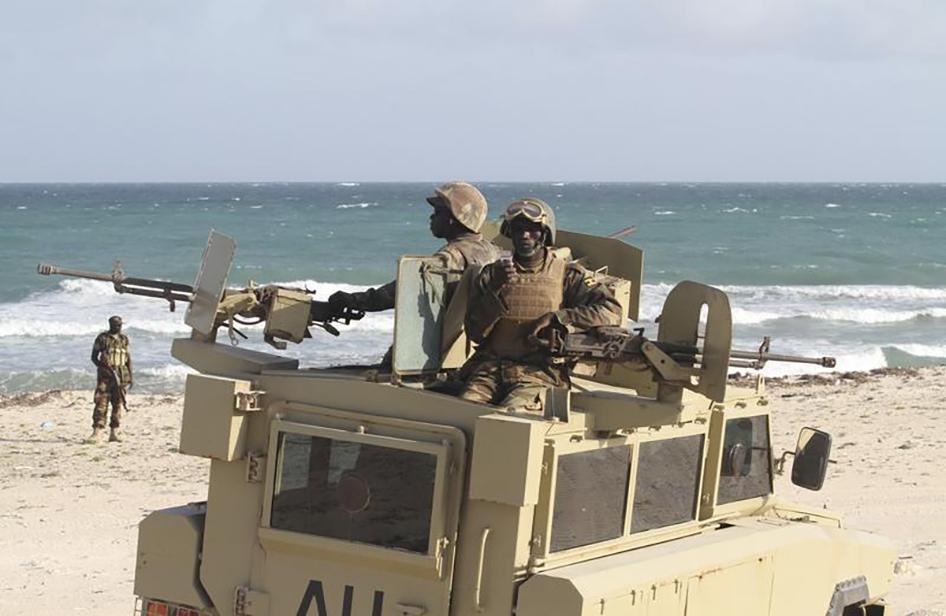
(610,90)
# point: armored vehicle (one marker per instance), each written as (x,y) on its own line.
(644,489)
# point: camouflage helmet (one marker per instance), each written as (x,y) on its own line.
(465,202)
(532,209)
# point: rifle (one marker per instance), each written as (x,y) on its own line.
(120,386)
(287,311)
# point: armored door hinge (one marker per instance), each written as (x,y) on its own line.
(536,553)
(248,401)
(441,549)
(249,602)
(255,466)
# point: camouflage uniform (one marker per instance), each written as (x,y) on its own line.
(506,369)
(458,254)
(114,353)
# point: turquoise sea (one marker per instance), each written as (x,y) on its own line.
(857,271)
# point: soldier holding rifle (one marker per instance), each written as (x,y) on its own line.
(514,301)
(112,357)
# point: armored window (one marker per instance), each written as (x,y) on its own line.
(746,470)
(668,477)
(590,497)
(354,491)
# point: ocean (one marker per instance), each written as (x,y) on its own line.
(857,271)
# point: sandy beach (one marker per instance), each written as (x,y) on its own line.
(69,511)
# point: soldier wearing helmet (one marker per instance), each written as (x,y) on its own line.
(513,300)
(459,211)
(111,355)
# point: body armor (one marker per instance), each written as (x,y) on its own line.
(114,350)
(527,296)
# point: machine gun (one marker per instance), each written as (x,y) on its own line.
(615,344)
(672,362)
(286,311)
(693,349)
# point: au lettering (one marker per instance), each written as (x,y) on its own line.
(315,592)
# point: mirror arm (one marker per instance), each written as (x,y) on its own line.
(780,463)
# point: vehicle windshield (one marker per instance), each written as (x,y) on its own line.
(354,491)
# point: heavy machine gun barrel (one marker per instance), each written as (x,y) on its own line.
(170,291)
(287,311)
(757,359)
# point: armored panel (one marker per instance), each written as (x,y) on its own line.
(418,315)
(622,260)
(680,323)
(211,282)
(507,460)
(712,592)
(212,426)
(226,360)
(456,347)
(169,544)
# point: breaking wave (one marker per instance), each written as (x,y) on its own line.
(863,304)
(82,307)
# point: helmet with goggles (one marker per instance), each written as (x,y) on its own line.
(534,210)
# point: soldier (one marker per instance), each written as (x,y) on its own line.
(513,300)
(459,214)
(112,356)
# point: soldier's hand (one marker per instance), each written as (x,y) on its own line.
(339,300)
(540,324)
(130,383)
(501,273)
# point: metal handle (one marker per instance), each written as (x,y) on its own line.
(477,589)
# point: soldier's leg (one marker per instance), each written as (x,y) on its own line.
(99,410)
(482,384)
(118,407)
(101,400)
(525,388)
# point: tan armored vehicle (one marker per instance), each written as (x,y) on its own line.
(647,489)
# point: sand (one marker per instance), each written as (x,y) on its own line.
(69,511)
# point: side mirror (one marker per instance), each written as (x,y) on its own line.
(812,454)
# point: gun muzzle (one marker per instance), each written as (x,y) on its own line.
(47,269)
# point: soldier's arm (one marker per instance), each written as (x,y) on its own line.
(97,350)
(484,307)
(131,378)
(376,299)
(587,303)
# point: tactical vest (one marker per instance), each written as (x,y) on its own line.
(115,350)
(527,296)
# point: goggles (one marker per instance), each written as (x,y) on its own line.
(527,209)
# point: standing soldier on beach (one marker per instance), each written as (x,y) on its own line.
(112,356)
